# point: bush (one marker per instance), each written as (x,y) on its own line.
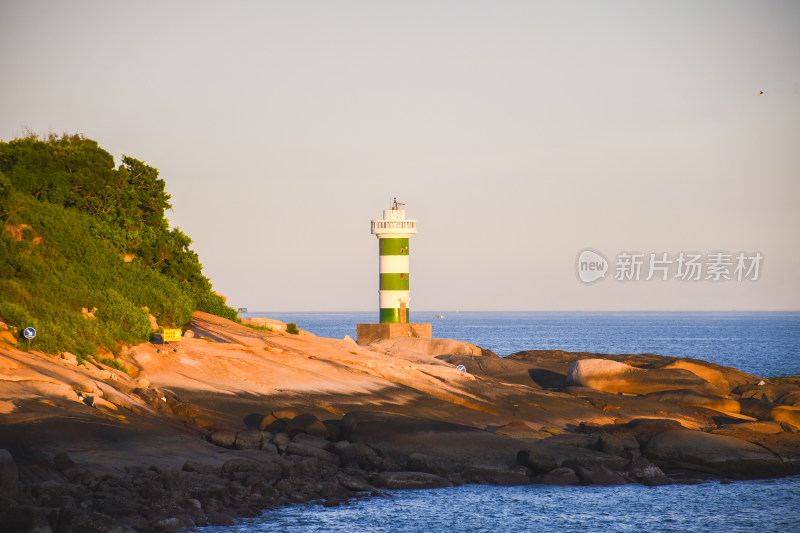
(113,363)
(83,214)
(291,327)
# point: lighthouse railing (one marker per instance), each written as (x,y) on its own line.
(394,224)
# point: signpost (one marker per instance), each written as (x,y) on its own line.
(172,335)
(29,333)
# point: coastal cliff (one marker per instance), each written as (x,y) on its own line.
(233,420)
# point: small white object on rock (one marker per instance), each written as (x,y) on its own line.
(762,382)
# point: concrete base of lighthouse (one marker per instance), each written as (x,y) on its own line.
(367,333)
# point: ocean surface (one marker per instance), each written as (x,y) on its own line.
(764,344)
(746,506)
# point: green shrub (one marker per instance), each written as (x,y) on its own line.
(113,363)
(291,327)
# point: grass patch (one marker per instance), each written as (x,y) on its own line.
(291,328)
(113,363)
(259,328)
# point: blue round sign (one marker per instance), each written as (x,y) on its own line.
(29,333)
(461,368)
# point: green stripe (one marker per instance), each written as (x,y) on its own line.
(392,316)
(394,246)
(394,282)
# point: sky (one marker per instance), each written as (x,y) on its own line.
(518,134)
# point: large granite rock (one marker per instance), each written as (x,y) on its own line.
(399,437)
(769,411)
(714,454)
(699,398)
(429,347)
(724,378)
(616,377)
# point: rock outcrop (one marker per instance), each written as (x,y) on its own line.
(616,377)
(241,419)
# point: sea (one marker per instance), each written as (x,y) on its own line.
(766,344)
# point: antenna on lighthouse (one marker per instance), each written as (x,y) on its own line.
(396,205)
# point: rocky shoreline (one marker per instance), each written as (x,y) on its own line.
(220,430)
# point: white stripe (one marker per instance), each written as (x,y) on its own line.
(394,264)
(391,299)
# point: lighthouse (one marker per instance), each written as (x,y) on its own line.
(394,298)
(393,232)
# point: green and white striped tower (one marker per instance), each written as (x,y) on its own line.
(393,231)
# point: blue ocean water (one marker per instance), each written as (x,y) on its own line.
(747,506)
(764,344)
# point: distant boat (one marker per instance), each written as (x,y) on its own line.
(438,316)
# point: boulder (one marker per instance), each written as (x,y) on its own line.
(429,347)
(226,439)
(285,414)
(616,377)
(770,411)
(398,437)
(248,440)
(764,427)
(271,471)
(789,398)
(420,462)
(714,454)
(304,450)
(770,391)
(281,440)
(489,476)
(538,459)
(560,476)
(597,474)
(642,429)
(354,483)
(361,456)
(311,440)
(318,429)
(647,473)
(409,480)
(299,424)
(724,378)
(699,398)
(270,423)
(614,445)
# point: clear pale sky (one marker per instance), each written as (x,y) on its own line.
(517,134)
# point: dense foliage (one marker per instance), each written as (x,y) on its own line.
(68,221)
